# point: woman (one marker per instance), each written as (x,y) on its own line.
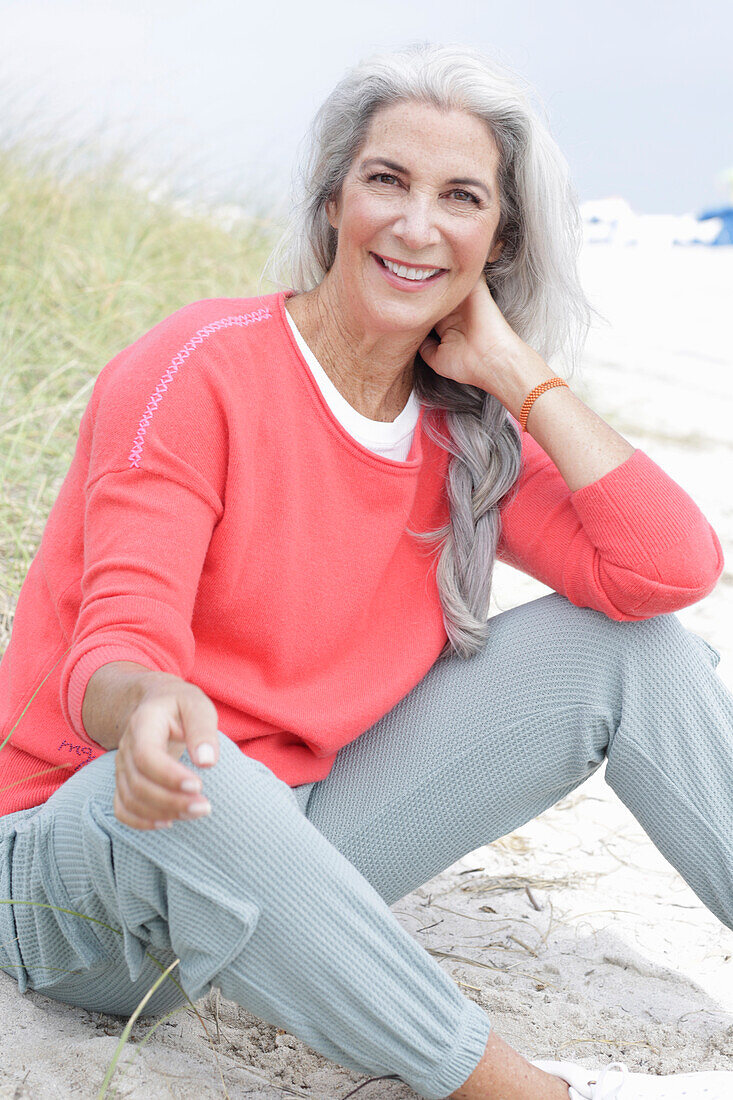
(260,716)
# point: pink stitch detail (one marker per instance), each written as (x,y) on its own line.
(241,319)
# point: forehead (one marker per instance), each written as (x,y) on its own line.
(445,141)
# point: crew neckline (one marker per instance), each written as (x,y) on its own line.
(415,455)
(377,435)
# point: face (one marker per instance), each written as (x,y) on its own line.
(422,192)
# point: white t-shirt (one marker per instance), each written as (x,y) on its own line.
(390,440)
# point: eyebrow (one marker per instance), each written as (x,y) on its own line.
(465,181)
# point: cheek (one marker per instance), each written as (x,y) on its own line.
(474,249)
(355,231)
(365,220)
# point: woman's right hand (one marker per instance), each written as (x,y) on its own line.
(152,789)
(151,718)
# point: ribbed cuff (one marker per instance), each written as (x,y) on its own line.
(82,673)
(473,1034)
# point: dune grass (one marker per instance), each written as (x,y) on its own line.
(89,262)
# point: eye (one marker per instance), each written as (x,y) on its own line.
(381,176)
(469,194)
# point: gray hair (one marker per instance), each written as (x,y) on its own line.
(534,283)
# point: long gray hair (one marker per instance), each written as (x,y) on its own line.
(534,283)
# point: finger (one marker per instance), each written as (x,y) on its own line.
(148,800)
(176,732)
(428,349)
(123,814)
(200,724)
(147,742)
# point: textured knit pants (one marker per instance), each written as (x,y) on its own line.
(281,896)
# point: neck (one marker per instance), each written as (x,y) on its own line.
(374,372)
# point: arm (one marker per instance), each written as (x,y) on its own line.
(632,544)
(148,522)
(592,517)
(647,549)
(595,518)
(145,542)
(147,528)
(112,694)
(582,446)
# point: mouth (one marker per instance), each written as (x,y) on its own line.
(407,275)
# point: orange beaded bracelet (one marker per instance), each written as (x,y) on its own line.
(534,394)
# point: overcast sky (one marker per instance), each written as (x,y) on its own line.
(639,94)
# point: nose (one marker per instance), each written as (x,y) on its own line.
(416,225)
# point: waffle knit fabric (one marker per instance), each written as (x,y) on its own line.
(219,523)
(281,897)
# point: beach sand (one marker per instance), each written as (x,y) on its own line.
(574,933)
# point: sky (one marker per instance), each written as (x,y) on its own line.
(217,95)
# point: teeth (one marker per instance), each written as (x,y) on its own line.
(415,273)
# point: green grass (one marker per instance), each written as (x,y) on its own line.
(89,262)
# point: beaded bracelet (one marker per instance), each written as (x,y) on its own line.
(534,394)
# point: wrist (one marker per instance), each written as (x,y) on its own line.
(518,381)
(553,383)
(112,694)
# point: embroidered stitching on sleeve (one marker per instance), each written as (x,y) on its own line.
(177,361)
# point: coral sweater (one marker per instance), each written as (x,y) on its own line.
(219,522)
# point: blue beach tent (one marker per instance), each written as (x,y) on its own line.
(725,213)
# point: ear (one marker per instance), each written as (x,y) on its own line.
(333,213)
(495,252)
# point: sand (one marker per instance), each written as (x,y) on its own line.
(574,933)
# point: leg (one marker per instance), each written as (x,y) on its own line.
(478,748)
(671,758)
(253,899)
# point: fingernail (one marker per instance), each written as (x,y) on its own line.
(193,785)
(205,754)
(198,809)
(163,824)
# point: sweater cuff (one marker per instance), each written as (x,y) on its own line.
(82,673)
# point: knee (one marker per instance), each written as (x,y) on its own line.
(606,661)
(242,782)
(661,642)
(196,887)
(661,636)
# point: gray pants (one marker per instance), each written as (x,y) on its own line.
(281,896)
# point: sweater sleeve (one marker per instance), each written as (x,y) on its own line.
(152,497)
(632,544)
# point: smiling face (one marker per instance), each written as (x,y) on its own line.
(422,192)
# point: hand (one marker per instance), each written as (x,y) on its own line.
(479,348)
(172,715)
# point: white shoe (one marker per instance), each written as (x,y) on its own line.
(616,1082)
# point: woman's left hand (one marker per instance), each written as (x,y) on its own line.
(478,347)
